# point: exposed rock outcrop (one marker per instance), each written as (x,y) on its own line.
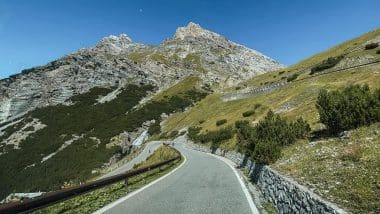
(116,60)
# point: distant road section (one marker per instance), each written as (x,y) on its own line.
(203,184)
(148,150)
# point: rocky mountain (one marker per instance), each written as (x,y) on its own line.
(116,60)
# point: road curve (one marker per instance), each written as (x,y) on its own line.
(148,150)
(203,184)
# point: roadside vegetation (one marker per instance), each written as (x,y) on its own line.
(344,169)
(92,201)
(326,64)
(262,142)
(352,107)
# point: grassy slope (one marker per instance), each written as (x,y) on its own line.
(346,170)
(326,172)
(181,87)
(92,201)
(346,47)
(301,97)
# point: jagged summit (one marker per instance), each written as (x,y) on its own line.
(194,30)
(114,43)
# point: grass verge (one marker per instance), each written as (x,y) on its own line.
(92,201)
(343,170)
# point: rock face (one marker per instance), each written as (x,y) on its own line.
(221,61)
(116,60)
(114,44)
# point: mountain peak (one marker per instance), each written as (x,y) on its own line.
(114,43)
(193,30)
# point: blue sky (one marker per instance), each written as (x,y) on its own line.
(36,32)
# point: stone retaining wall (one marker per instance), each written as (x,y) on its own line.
(254,92)
(283,192)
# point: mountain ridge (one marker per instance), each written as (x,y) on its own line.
(115,60)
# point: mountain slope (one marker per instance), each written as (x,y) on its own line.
(115,61)
(71,143)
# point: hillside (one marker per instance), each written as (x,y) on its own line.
(344,169)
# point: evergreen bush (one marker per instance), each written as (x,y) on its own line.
(326,64)
(371,46)
(221,122)
(352,107)
(248,113)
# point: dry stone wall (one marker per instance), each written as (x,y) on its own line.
(284,193)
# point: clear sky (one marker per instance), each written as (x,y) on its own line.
(36,32)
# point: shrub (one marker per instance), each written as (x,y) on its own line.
(371,46)
(256,106)
(300,128)
(378,52)
(266,152)
(325,64)
(163,135)
(221,122)
(173,134)
(353,107)
(193,132)
(248,113)
(245,137)
(155,128)
(275,128)
(264,141)
(219,136)
(281,72)
(292,77)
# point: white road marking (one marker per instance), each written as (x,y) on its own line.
(244,188)
(121,200)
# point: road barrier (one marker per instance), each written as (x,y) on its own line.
(28,205)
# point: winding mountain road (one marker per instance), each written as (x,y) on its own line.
(148,150)
(203,183)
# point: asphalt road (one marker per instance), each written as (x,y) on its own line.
(148,150)
(202,184)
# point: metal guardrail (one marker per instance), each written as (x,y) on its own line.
(28,205)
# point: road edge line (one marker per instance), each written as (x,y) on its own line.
(130,195)
(248,195)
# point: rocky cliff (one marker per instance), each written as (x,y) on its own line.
(116,60)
